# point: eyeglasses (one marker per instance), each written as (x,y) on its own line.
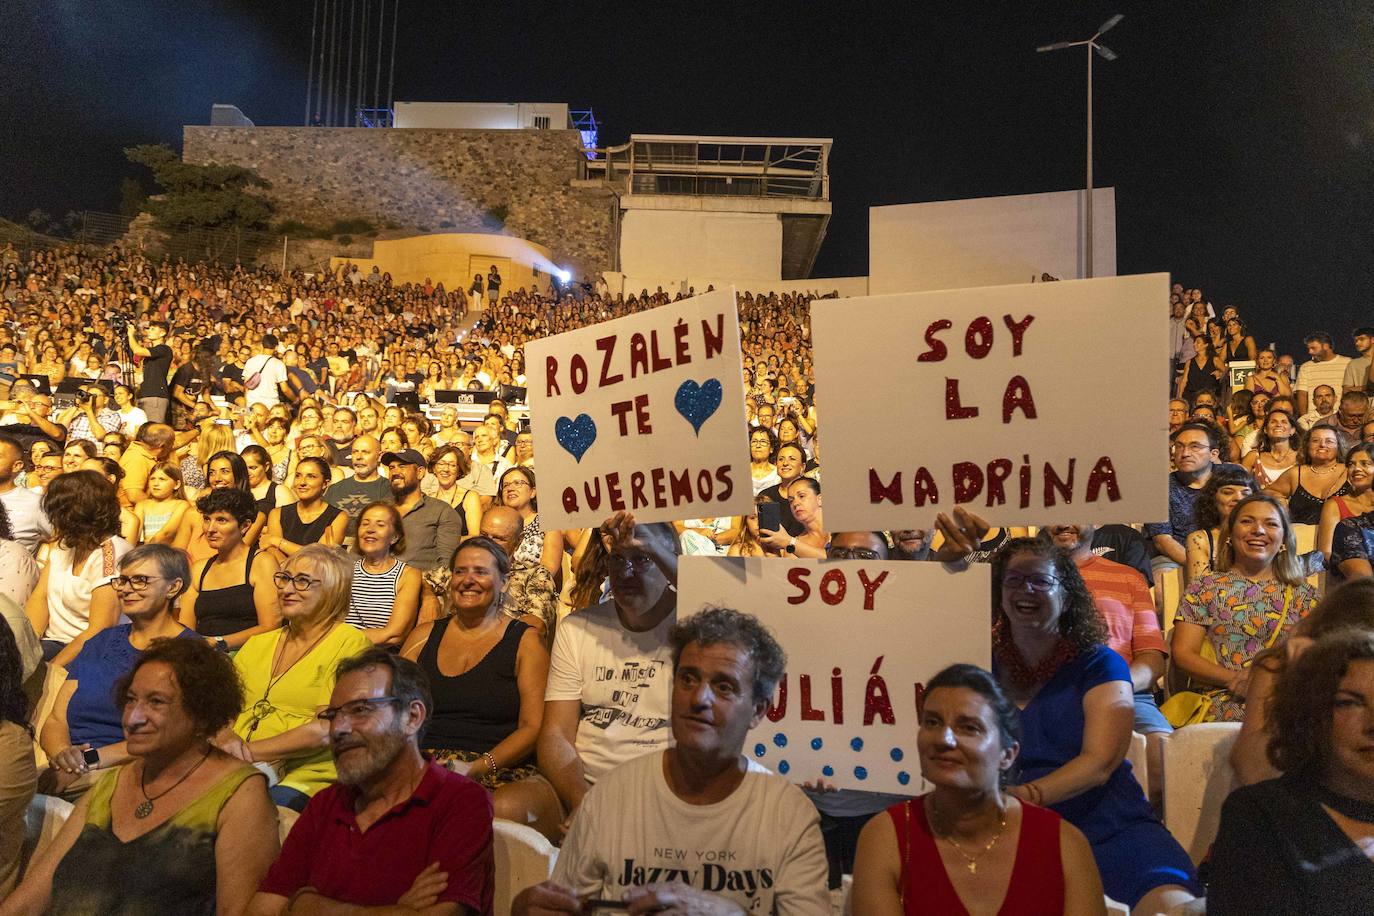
(356,709)
(1032,583)
(1190,447)
(134,583)
(300,582)
(852,553)
(634,561)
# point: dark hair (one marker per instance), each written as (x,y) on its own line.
(326,471)
(397,548)
(85,445)
(1364,448)
(981,682)
(443,451)
(528,474)
(772,439)
(269,342)
(1349,605)
(1264,443)
(1341,445)
(83,507)
(1205,514)
(1319,337)
(211,692)
(482,542)
(238,503)
(409,683)
(791,445)
(6,529)
(714,625)
(811,481)
(14,705)
(1209,430)
(109,467)
(1300,711)
(237,467)
(1080,622)
(260,453)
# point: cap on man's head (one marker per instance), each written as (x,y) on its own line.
(405,456)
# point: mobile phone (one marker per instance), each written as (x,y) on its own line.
(220,421)
(594,907)
(770,516)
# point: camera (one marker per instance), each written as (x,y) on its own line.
(82,396)
(119,321)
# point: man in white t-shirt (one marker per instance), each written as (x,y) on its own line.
(28,522)
(610,673)
(270,372)
(1326,367)
(698,827)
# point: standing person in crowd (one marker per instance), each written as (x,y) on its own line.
(1357,501)
(18,777)
(25,508)
(488,674)
(1254,600)
(1322,456)
(308,520)
(448,465)
(1325,367)
(264,374)
(1357,374)
(232,598)
(701,791)
(1267,379)
(968,744)
(288,674)
(1311,828)
(1239,345)
(593,722)
(1276,450)
(182,828)
(1223,492)
(153,395)
(493,287)
(384,601)
(424,834)
(73,600)
(83,731)
(365,487)
(1203,373)
(1323,407)
(1076,715)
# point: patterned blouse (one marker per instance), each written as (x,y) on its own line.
(1240,616)
(1353,540)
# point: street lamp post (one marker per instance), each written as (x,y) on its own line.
(1106,54)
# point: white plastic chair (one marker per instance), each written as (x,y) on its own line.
(1169,588)
(1197,779)
(1138,757)
(42,820)
(524,857)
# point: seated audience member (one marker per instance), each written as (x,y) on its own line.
(166,509)
(967,743)
(1222,492)
(762,471)
(365,487)
(83,731)
(804,504)
(183,828)
(488,674)
(1322,457)
(1357,501)
(658,812)
(385,599)
(594,722)
(45,469)
(1195,449)
(790,464)
(25,507)
(537,561)
(1050,656)
(288,674)
(397,834)
(1347,606)
(749,542)
(268,493)
(1254,601)
(447,466)
(130,528)
(1323,407)
(232,597)
(19,573)
(504,526)
(18,778)
(1276,449)
(432,528)
(1299,844)
(152,446)
(75,452)
(308,520)
(73,600)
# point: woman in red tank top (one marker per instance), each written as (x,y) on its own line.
(967,848)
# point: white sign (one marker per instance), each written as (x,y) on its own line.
(1029,404)
(644,413)
(862,638)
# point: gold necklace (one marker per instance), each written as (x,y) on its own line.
(972,860)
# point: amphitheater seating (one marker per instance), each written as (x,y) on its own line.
(44,818)
(1197,779)
(523,858)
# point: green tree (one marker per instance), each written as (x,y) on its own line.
(132,197)
(201,196)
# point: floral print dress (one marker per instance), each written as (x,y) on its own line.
(1241,616)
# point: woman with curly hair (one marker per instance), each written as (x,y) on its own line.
(1299,843)
(73,599)
(1223,490)
(1075,695)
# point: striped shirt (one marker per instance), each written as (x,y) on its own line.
(1122,596)
(373,596)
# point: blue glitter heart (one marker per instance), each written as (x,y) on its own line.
(696,402)
(575,435)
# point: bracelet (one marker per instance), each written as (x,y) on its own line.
(490,776)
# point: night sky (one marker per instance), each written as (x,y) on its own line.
(1239,136)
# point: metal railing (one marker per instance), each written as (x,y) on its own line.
(716,167)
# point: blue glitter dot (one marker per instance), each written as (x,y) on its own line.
(816,744)
(760,750)
(857,744)
(780,739)
(827,770)
(860,773)
(783,767)
(904,777)
(897,753)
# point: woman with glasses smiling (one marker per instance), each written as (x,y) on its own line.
(1076,704)
(288,675)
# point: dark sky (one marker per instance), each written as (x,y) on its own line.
(1239,136)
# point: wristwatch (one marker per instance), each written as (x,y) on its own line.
(91,756)
(220,644)
(791,546)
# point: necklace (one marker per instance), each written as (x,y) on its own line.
(1024,676)
(263,708)
(972,860)
(145,807)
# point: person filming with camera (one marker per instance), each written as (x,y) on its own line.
(153,395)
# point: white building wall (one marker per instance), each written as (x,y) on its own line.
(694,243)
(989,241)
(480,115)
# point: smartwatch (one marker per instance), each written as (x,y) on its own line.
(220,644)
(91,756)
(792,546)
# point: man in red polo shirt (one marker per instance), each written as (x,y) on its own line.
(397,834)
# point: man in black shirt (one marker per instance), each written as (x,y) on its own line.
(153,394)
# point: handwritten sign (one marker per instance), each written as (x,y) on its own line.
(1028,404)
(644,413)
(862,638)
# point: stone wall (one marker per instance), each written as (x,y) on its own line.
(427,180)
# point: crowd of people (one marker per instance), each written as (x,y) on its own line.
(315,637)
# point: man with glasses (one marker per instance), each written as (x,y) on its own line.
(91,417)
(397,832)
(1196,454)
